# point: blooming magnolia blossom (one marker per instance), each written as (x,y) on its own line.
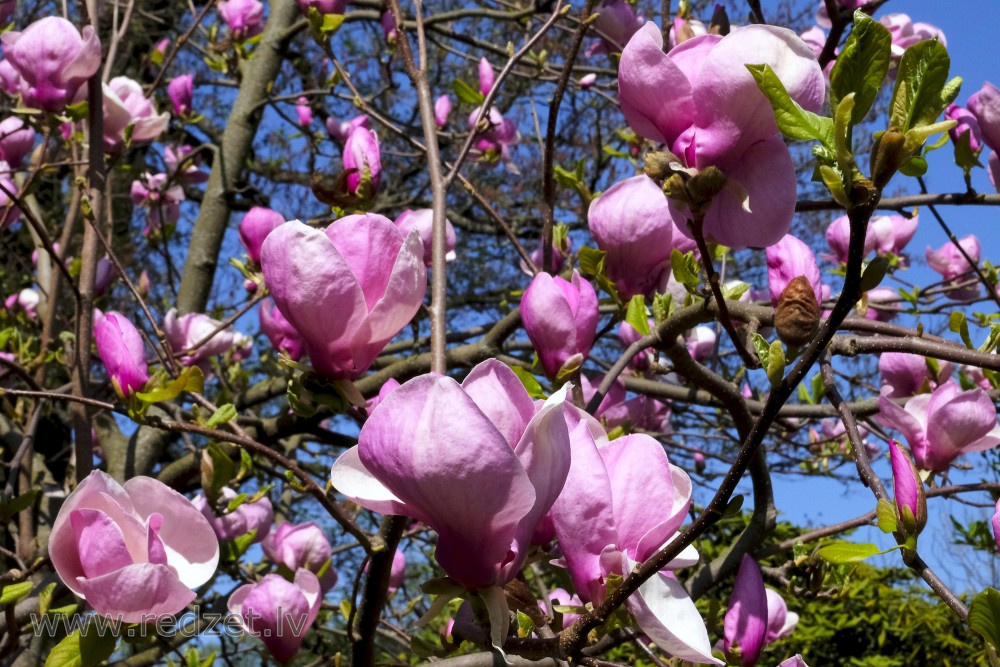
(495,137)
(27,300)
(389,386)
(122,350)
(985,106)
(161,197)
(967,123)
(886,234)
(952,265)
(909,374)
(442,108)
(362,158)
(622,501)
(943,425)
(282,334)
(560,317)
(347,289)
(51,61)
(245,18)
(905,33)
(126,105)
(212,338)
(882,304)
(16,141)
(788,259)
(182,165)
(342,129)
(422,219)
(702,102)
(700,343)
(780,621)
(256,224)
(616,23)
(483,488)
(132,550)
(746,621)
(561,597)
(180,90)
(278,611)
(258,515)
(631,223)
(302,546)
(628,335)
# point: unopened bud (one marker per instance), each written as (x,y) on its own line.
(720,22)
(888,154)
(706,184)
(658,163)
(796,318)
(911,499)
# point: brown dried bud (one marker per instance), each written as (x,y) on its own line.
(797,317)
(720,22)
(888,154)
(707,183)
(658,163)
(675,187)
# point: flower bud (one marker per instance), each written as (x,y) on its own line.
(121,349)
(911,501)
(888,154)
(796,318)
(180,90)
(442,107)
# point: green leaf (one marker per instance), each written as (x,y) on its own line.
(636,314)
(230,551)
(524,624)
(217,469)
(886,513)
(191,379)
(591,262)
(222,415)
(734,505)
(916,166)
(685,268)
(330,23)
(79,650)
(734,291)
(874,273)
(14,592)
(984,615)
(762,347)
(959,325)
(842,553)
(861,66)
(990,344)
(530,383)
(920,91)
(467,93)
(793,121)
(775,363)
(663,306)
(18,504)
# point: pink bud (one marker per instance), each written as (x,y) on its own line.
(322,6)
(967,124)
(996,524)
(911,501)
(361,154)
(278,611)
(257,515)
(121,348)
(303,545)
(397,575)
(700,343)
(486,76)
(105,275)
(303,111)
(587,80)
(788,259)
(442,107)
(245,18)
(340,130)
(560,318)
(746,620)
(180,90)
(389,27)
(144,285)
(16,141)
(699,462)
(254,228)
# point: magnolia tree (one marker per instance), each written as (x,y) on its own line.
(386,333)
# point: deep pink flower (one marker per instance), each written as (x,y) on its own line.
(323,6)
(442,107)
(278,611)
(389,29)
(967,124)
(245,18)
(484,488)
(560,317)
(52,60)
(254,228)
(248,516)
(985,106)
(303,111)
(302,546)
(422,219)
(361,154)
(122,350)
(132,550)
(909,374)
(788,259)
(746,619)
(180,90)
(908,490)
(494,142)
(16,141)
(347,289)
(702,102)
(943,425)
(282,334)
(996,524)
(340,130)
(162,199)
(616,23)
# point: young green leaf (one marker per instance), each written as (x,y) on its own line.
(861,66)
(793,121)
(842,553)
(984,615)
(636,314)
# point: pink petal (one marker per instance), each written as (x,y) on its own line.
(137,592)
(99,542)
(499,394)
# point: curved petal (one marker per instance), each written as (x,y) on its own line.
(645,73)
(467,483)
(957,421)
(137,593)
(99,542)
(350,477)
(499,394)
(746,620)
(316,291)
(902,420)
(549,321)
(188,538)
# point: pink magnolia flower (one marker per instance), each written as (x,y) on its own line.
(885,234)
(795,661)
(16,141)
(631,222)
(746,619)
(303,111)
(905,33)
(162,198)
(389,29)
(126,105)
(815,37)
(823,17)
(493,143)
(122,350)
(561,597)
(347,289)
(283,336)
(909,374)
(422,219)
(628,335)
(249,516)
(27,300)
(397,573)
(390,385)
(943,425)
(361,154)
(483,488)
(245,18)
(322,6)
(985,106)
(780,621)
(788,259)
(486,76)
(134,550)
(967,124)
(700,343)
(622,501)
(10,79)
(180,90)
(211,337)
(975,375)
(560,317)
(559,257)
(302,546)
(342,129)
(255,227)
(278,611)
(908,490)
(442,108)
(949,262)
(996,524)
(52,61)
(882,302)
(702,102)
(616,23)
(183,165)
